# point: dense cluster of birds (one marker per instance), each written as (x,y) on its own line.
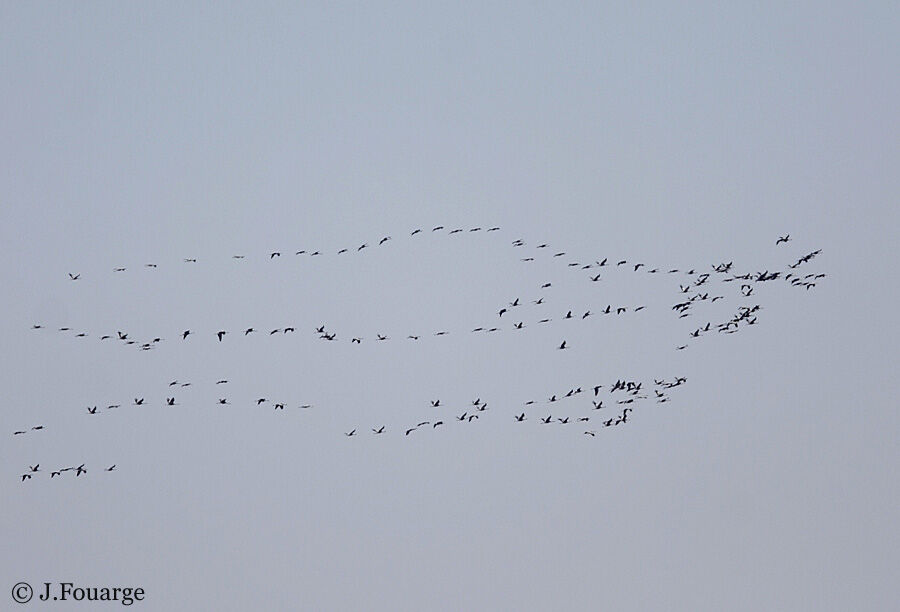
(608,404)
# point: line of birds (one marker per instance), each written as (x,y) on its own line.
(631,389)
(325,334)
(271,255)
(79,470)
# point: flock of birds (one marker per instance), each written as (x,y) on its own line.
(611,403)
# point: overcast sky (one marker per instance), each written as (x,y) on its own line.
(678,137)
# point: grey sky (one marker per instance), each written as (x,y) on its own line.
(676,136)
